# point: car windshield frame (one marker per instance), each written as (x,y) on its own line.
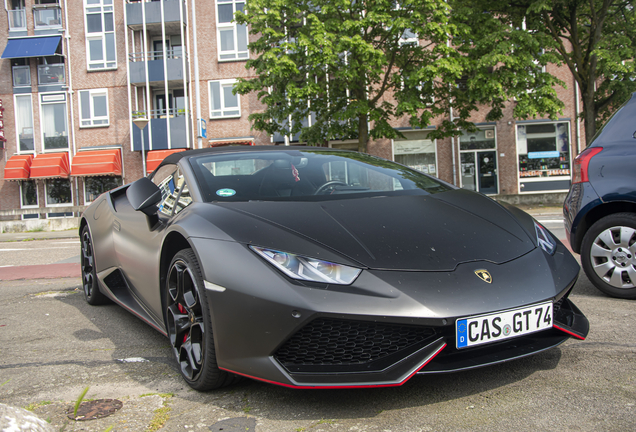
(305,175)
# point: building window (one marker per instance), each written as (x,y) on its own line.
(543,150)
(53,121)
(17,15)
(232,37)
(21,73)
(100,34)
(29,197)
(223,103)
(24,123)
(417,152)
(94,108)
(58,194)
(51,71)
(95,186)
(47,14)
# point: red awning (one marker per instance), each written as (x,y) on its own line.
(18,167)
(50,165)
(97,163)
(229,143)
(155,157)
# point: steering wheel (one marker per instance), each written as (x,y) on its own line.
(327,185)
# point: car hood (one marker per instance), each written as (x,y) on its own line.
(415,233)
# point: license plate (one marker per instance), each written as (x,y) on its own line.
(483,329)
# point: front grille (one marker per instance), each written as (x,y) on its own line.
(332,342)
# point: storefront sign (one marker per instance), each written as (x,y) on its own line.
(543,155)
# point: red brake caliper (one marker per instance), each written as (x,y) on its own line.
(183,311)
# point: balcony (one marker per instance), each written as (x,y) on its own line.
(47,18)
(17,20)
(22,76)
(180,125)
(134,15)
(51,74)
(174,67)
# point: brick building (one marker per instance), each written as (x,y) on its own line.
(77,77)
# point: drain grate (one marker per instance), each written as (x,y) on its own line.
(92,410)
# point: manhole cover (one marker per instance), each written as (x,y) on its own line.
(95,409)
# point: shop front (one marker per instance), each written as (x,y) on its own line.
(478,153)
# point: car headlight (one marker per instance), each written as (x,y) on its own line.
(545,239)
(309,269)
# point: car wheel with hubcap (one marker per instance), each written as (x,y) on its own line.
(189,325)
(608,255)
(89,276)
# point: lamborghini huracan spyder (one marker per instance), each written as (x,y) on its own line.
(317,268)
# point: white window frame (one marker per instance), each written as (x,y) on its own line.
(17,131)
(92,93)
(105,6)
(406,134)
(68,135)
(46,194)
(238,55)
(223,83)
(37,200)
(26,67)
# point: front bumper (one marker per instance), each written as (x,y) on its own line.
(355,339)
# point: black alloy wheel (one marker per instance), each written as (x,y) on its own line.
(608,255)
(89,277)
(189,325)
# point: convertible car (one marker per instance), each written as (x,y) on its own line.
(317,268)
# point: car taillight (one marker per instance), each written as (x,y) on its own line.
(581,163)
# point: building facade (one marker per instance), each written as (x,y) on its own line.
(94,93)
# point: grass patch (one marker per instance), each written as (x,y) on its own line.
(161,414)
(39,229)
(79,401)
(33,406)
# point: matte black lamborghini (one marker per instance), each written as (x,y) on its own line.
(316,268)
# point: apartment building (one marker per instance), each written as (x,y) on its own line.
(94,93)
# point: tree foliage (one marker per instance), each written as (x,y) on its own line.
(594,39)
(351,65)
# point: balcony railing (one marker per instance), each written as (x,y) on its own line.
(49,17)
(21,76)
(160,113)
(171,54)
(52,74)
(17,19)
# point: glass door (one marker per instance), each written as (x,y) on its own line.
(487,172)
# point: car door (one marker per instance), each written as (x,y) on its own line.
(138,239)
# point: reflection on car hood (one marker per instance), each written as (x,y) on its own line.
(426,232)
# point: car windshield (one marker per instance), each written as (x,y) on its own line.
(305,175)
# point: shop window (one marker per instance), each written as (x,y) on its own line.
(53,121)
(100,34)
(95,186)
(232,37)
(94,108)
(417,152)
(223,103)
(29,198)
(544,150)
(58,194)
(24,123)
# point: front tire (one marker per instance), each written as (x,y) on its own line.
(608,255)
(92,294)
(189,325)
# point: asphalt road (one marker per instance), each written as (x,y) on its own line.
(53,345)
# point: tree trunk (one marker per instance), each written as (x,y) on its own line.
(589,116)
(363,133)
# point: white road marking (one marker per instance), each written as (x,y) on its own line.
(32,249)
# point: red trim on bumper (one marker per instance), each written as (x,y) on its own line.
(569,332)
(340,386)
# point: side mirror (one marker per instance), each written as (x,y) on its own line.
(144,196)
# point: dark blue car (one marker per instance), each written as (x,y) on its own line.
(600,209)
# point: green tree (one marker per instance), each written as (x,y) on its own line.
(353,65)
(594,39)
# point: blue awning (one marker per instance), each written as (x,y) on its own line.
(32,47)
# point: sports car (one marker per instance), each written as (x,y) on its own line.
(311,267)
